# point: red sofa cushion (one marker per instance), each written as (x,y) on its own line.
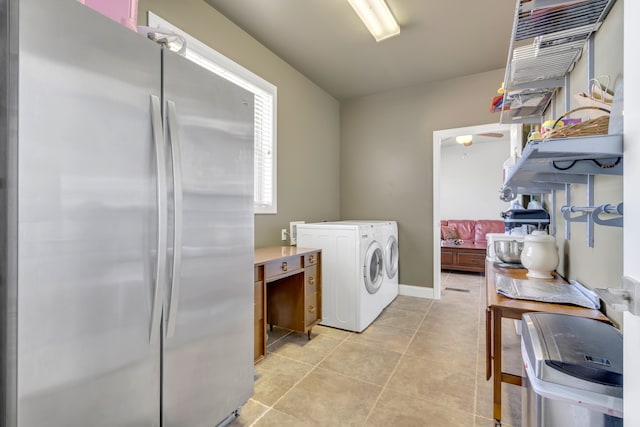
(464,227)
(484,226)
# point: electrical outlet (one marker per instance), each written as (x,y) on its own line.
(283,234)
(293,232)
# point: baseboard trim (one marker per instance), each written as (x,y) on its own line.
(416,291)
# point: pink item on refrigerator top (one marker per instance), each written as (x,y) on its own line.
(124,12)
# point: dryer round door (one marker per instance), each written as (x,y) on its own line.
(391,260)
(374,268)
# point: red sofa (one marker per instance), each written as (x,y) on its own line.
(466,252)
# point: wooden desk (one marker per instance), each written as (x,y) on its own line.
(287,291)
(499,306)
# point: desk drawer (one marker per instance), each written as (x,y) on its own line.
(282,266)
(310,309)
(311,259)
(310,280)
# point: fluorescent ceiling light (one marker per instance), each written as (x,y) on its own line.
(377,17)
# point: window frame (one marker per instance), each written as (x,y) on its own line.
(236,73)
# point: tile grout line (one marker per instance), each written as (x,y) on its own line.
(479,312)
(282,337)
(262,404)
(301,379)
(384,387)
(403,355)
(475,388)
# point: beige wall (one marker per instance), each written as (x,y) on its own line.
(600,266)
(371,157)
(394,129)
(632,209)
(386,158)
(308,118)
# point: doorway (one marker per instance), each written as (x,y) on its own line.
(508,134)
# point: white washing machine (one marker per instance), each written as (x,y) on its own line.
(352,271)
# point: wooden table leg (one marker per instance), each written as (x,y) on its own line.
(497,364)
(488,343)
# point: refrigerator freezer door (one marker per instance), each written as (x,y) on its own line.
(208,358)
(87,221)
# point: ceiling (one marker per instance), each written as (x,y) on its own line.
(326,41)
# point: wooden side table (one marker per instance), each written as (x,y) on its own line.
(498,307)
(462,257)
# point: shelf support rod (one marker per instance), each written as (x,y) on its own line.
(590,61)
(590,179)
(567,94)
(592,213)
(603,209)
(567,202)
(553,215)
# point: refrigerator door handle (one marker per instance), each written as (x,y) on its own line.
(174,142)
(161,196)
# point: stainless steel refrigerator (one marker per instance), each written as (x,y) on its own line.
(126,233)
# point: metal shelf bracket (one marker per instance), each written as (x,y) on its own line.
(592,215)
(585,212)
(609,209)
(626,298)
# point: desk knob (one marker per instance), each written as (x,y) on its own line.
(284,266)
(311,280)
(311,259)
(312,309)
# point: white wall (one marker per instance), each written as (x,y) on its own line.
(470,178)
(631,207)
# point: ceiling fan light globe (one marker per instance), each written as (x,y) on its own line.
(465,140)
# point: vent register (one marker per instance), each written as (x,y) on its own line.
(545,44)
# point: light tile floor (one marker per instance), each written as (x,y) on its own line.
(421,363)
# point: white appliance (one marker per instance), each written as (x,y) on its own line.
(389,241)
(391,259)
(352,271)
(127,234)
(494,237)
(386,232)
(573,372)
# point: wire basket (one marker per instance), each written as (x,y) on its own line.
(597,126)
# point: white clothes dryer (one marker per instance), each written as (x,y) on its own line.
(352,271)
(386,232)
(389,240)
(391,261)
